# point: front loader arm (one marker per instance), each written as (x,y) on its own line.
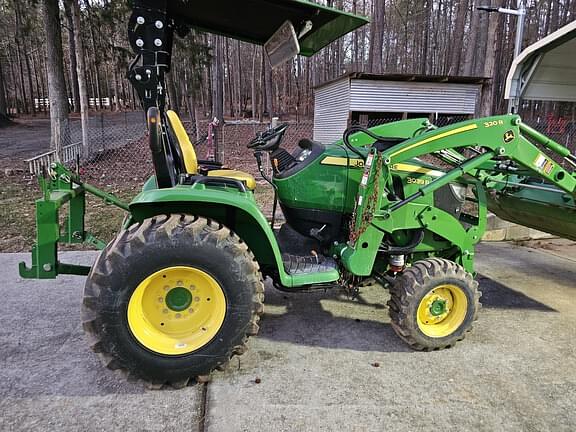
(500,139)
(503,135)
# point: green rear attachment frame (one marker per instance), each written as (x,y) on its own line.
(61,187)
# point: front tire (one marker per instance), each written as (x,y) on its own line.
(433,304)
(172,298)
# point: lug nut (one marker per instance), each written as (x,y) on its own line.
(158,42)
(139,43)
(159,24)
(140,20)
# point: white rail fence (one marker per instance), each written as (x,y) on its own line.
(69,154)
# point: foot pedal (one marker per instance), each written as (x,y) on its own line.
(297,264)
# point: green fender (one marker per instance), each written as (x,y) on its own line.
(233,208)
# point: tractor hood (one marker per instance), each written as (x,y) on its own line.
(255,21)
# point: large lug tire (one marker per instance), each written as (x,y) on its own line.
(172,298)
(433,304)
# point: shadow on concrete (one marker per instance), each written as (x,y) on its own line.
(308,322)
(499,296)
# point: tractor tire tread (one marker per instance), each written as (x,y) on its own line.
(129,241)
(411,286)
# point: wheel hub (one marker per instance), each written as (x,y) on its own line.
(178,299)
(438,307)
(442,311)
(176,310)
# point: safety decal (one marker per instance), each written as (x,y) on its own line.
(543,164)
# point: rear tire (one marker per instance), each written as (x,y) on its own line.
(122,319)
(433,304)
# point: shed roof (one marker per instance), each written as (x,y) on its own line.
(408,77)
(546,70)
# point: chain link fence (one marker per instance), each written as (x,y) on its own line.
(118,156)
(559,128)
(119,161)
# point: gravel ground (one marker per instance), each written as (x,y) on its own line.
(28,137)
(316,359)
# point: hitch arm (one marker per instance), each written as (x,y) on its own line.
(61,188)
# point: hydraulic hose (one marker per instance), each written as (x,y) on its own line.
(417,238)
(346,138)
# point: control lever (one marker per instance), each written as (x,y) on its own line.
(317,233)
(258,156)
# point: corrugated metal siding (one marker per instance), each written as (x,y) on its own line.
(331,108)
(391,96)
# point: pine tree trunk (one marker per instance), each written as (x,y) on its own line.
(254,77)
(218,95)
(81,76)
(97,62)
(490,62)
(269,91)
(72,56)
(472,42)
(56,81)
(3,104)
(376,38)
(238,73)
(456,47)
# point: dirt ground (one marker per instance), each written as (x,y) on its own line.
(18,193)
(120,171)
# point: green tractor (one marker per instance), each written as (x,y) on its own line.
(181,287)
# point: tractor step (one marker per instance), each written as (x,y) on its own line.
(299,265)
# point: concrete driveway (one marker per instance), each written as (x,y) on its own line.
(324,363)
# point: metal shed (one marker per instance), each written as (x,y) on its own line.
(369,99)
(546,70)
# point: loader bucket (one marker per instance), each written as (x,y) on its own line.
(552,211)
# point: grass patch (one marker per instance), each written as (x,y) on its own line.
(17,215)
(17,212)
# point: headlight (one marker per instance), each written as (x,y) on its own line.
(459,190)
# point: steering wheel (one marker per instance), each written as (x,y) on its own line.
(269,139)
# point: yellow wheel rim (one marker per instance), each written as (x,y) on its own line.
(442,311)
(176,310)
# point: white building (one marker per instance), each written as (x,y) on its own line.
(370,99)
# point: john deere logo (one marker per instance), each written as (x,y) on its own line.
(509,136)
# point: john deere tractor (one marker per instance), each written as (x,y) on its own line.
(402,205)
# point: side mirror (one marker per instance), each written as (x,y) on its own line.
(283,45)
